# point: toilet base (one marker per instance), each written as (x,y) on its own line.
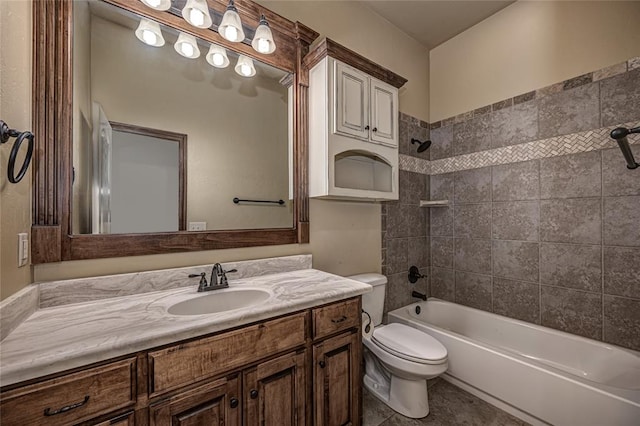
(407,397)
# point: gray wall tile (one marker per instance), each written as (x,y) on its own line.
(441,186)
(622,322)
(472,135)
(473,290)
(412,187)
(515,260)
(396,221)
(622,271)
(571,221)
(570,176)
(472,255)
(472,220)
(516,221)
(473,186)
(399,291)
(573,311)
(397,253)
(622,220)
(441,143)
(418,252)
(514,125)
(621,98)
(572,266)
(441,221)
(442,252)
(516,299)
(443,284)
(517,181)
(570,111)
(616,178)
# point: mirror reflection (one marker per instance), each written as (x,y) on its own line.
(168,130)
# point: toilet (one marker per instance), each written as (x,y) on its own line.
(398,359)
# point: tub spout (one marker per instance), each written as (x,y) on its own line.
(418,295)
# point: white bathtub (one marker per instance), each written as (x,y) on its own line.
(536,373)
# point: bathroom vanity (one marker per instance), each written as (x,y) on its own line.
(292,359)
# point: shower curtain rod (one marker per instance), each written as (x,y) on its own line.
(620,135)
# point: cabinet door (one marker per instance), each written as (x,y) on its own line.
(384,113)
(351,102)
(337,380)
(214,403)
(275,392)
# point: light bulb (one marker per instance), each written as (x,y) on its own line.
(149,37)
(218,59)
(153,3)
(196,17)
(245,70)
(231,33)
(263,45)
(187,49)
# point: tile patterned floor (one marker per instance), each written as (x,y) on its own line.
(449,405)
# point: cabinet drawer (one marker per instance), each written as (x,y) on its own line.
(333,318)
(187,363)
(72,398)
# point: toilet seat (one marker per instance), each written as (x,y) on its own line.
(410,344)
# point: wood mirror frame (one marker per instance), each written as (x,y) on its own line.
(53,129)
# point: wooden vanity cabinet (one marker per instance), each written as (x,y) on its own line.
(298,369)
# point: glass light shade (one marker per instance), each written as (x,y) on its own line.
(245,67)
(263,39)
(149,33)
(187,46)
(158,4)
(217,56)
(231,26)
(196,12)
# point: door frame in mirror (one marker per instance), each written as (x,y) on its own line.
(51,236)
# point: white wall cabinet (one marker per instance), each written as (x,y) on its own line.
(353,138)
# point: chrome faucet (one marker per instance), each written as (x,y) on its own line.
(217,281)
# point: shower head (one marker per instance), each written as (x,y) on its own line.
(422,146)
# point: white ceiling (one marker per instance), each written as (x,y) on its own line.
(434,22)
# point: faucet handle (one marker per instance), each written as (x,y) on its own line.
(223,276)
(203,280)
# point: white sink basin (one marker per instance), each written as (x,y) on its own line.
(220,301)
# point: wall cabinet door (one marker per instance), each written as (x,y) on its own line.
(384,113)
(337,380)
(275,392)
(351,102)
(215,403)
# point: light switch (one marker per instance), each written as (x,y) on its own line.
(23,248)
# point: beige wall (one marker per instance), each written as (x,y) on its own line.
(527,46)
(15,109)
(365,32)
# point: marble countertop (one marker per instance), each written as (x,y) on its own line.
(59,338)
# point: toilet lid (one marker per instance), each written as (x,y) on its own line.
(409,343)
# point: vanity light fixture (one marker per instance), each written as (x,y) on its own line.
(158,4)
(217,56)
(263,39)
(230,27)
(245,67)
(149,33)
(187,46)
(196,12)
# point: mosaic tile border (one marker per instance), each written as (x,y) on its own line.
(574,143)
(571,83)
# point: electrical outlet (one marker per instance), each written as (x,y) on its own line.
(23,248)
(197,226)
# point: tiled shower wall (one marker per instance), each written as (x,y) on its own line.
(405,225)
(552,241)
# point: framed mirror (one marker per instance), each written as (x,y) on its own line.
(145,148)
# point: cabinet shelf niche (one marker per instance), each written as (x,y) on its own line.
(364,171)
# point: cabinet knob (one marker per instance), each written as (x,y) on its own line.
(253,394)
(234,402)
(366,127)
(375,129)
(322,364)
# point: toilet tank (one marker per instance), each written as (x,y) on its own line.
(373,303)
